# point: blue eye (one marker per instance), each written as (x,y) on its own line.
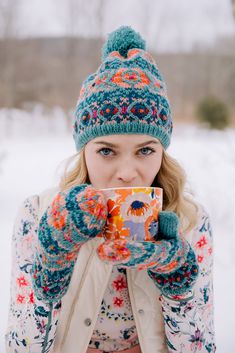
(147,149)
(106,152)
(104,149)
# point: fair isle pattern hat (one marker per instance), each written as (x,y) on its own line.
(126,95)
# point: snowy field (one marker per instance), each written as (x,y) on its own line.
(32,147)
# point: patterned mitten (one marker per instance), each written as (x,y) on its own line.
(73,218)
(170,261)
(176,276)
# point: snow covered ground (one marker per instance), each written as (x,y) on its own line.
(34,148)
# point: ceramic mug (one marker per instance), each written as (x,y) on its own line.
(132,213)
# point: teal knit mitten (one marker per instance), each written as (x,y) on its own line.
(170,261)
(176,276)
(74,217)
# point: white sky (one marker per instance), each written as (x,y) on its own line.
(166,24)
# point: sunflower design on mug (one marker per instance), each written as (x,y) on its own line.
(136,207)
(133,213)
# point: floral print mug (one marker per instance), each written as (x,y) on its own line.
(132,213)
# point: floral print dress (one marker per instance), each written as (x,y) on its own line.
(115,327)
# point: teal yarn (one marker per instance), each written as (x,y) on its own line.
(121,128)
(74,217)
(168,224)
(122,40)
(126,95)
(179,280)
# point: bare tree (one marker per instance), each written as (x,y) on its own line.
(233,7)
(8,18)
(3,155)
(9,10)
(77,14)
(100,15)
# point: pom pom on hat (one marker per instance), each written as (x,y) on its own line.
(122,40)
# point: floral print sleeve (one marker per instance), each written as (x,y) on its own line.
(189,325)
(31,322)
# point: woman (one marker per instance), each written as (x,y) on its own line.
(69,294)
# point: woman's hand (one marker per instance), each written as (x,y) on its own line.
(73,218)
(170,261)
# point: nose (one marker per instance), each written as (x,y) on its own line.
(127,173)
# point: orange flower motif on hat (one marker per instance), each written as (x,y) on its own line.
(87,115)
(127,78)
(115,54)
(140,110)
(100,79)
(134,52)
(108,110)
(141,53)
(137,208)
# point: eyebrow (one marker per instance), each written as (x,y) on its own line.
(112,145)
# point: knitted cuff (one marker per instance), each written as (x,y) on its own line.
(50,285)
(179,282)
(168,224)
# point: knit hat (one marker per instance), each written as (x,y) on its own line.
(126,95)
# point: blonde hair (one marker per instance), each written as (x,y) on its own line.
(171,178)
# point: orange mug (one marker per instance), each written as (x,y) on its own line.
(132,213)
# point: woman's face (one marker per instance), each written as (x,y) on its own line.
(123,160)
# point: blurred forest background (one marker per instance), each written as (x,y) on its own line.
(50,69)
